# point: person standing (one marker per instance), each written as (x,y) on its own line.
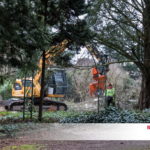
(110,93)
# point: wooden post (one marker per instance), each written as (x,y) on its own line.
(24,100)
(32,97)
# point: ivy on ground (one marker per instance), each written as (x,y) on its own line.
(110,115)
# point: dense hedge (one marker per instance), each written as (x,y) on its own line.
(109,115)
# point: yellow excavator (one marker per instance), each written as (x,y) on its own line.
(55,84)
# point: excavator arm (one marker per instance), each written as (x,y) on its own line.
(52,52)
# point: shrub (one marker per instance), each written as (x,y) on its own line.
(109,115)
(5,90)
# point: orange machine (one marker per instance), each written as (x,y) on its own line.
(98,72)
(100,81)
(55,85)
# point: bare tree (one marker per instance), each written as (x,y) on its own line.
(124,26)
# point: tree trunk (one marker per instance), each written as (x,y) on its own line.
(42,87)
(144,100)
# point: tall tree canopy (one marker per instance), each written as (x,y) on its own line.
(124,26)
(31,25)
(28,27)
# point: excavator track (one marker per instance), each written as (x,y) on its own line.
(48,105)
(13,102)
(54,105)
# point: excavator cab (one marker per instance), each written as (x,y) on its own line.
(56,83)
(18,87)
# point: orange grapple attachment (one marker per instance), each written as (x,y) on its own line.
(100,84)
(95,73)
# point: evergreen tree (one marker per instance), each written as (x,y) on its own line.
(32,26)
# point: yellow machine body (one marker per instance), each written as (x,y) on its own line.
(23,87)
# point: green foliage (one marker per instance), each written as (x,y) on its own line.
(10,130)
(27,27)
(57,116)
(113,23)
(5,90)
(8,117)
(12,117)
(24,147)
(16,41)
(64,59)
(109,115)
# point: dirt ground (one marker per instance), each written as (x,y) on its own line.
(80,145)
(53,144)
(51,139)
(88,105)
